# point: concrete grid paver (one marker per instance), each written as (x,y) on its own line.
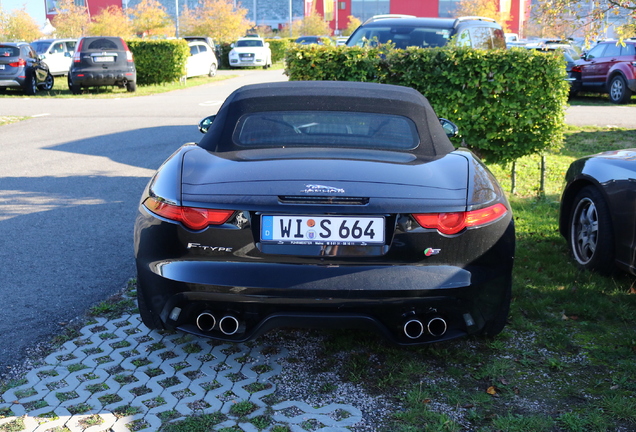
(120,376)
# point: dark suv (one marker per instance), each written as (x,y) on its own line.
(102,61)
(609,67)
(405,31)
(21,67)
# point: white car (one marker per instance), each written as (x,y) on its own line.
(202,60)
(250,51)
(56,53)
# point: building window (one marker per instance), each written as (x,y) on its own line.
(447,8)
(365,9)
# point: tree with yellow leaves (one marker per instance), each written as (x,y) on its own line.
(313,24)
(111,21)
(19,26)
(216,18)
(71,20)
(483,8)
(353,24)
(150,19)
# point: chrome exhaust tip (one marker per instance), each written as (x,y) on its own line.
(436,327)
(413,329)
(206,321)
(229,325)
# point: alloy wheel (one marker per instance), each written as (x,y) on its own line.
(584,234)
(617,90)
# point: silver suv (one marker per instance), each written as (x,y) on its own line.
(21,67)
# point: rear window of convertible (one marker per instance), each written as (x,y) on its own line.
(326,129)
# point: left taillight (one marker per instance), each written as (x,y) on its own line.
(455,222)
(192,217)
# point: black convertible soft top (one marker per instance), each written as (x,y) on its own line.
(329,96)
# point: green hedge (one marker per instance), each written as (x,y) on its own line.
(507,103)
(159,61)
(279,47)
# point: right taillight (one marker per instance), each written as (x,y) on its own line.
(576,68)
(129,54)
(19,63)
(454,222)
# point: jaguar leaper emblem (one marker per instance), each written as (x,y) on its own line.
(315,188)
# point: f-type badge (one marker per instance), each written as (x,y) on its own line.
(315,188)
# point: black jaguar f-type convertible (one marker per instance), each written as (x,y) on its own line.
(325,204)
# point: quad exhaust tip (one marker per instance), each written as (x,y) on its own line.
(229,325)
(414,328)
(436,327)
(206,321)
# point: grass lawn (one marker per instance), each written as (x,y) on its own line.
(596,99)
(60,89)
(565,362)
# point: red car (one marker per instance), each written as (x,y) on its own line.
(609,67)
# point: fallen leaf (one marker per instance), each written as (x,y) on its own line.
(426,401)
(503,381)
(492,390)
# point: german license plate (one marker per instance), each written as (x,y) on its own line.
(105,59)
(322,230)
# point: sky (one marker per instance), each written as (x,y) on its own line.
(35,8)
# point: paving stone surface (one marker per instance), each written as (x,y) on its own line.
(120,376)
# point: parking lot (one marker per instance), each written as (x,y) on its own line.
(71,178)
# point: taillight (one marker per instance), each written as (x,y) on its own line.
(19,63)
(192,217)
(78,49)
(576,68)
(129,55)
(453,223)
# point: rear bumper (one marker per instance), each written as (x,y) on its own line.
(90,79)
(11,83)
(381,298)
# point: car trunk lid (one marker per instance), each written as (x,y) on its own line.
(368,180)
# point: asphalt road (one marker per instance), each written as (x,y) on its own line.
(615,115)
(70,180)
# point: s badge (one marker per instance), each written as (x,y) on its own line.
(431,251)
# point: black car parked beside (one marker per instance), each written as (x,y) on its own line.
(405,31)
(102,61)
(20,66)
